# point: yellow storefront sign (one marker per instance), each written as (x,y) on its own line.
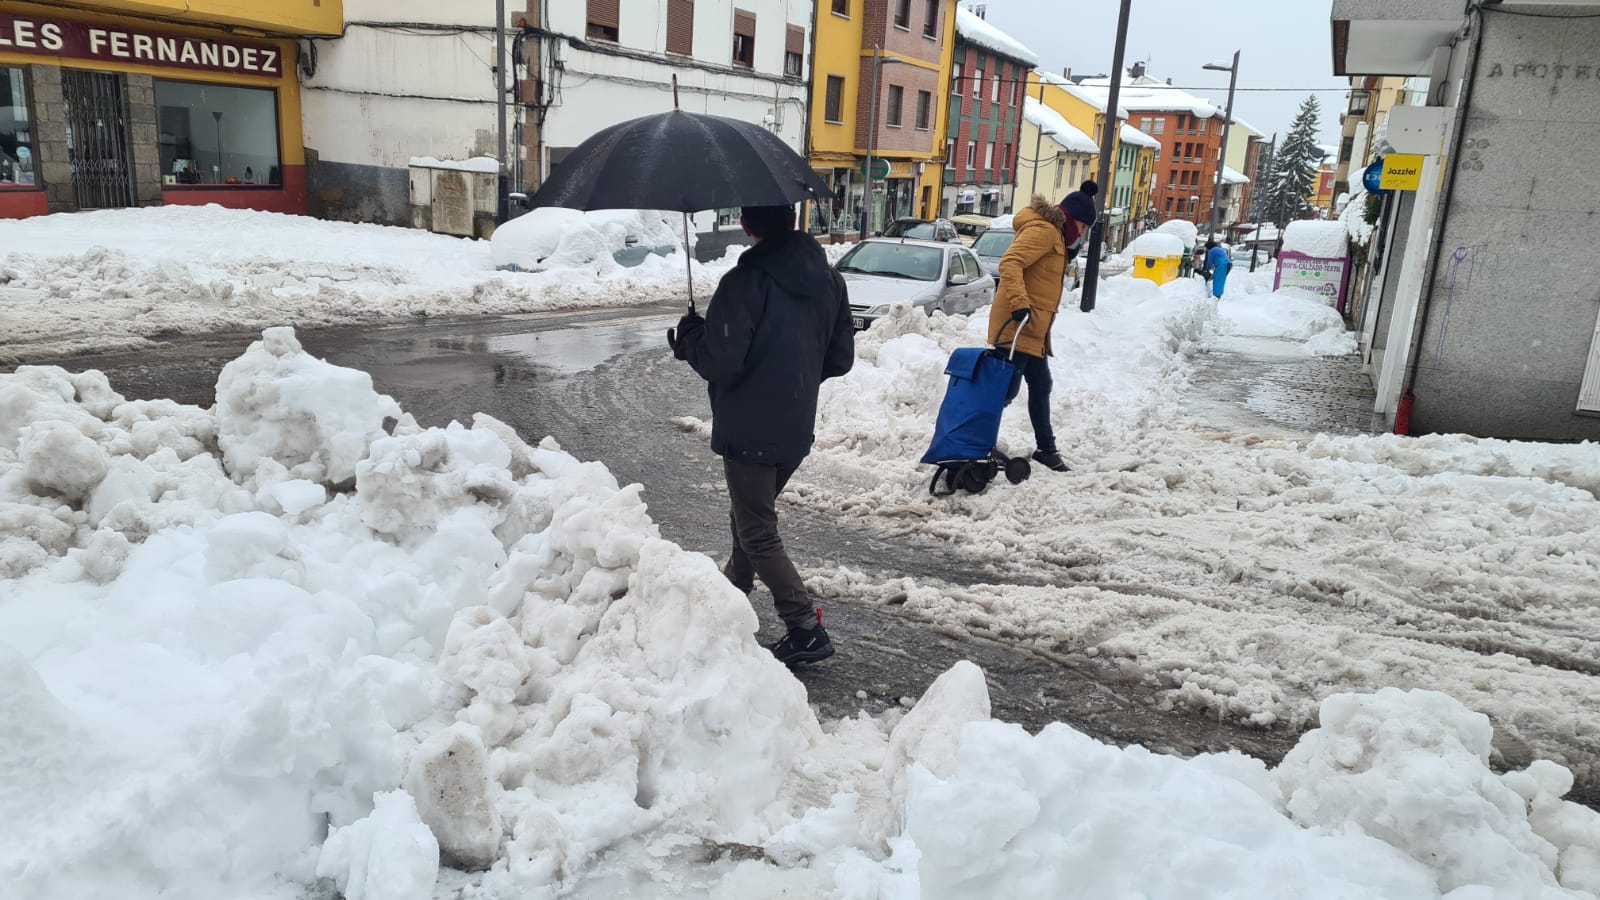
(1401,172)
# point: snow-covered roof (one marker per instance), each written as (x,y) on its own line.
(1323,240)
(1152,98)
(1056,127)
(1097,101)
(1233,176)
(980,32)
(1132,135)
(1240,123)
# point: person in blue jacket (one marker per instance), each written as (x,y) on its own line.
(1217,263)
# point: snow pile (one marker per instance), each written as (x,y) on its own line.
(1184,230)
(1155,244)
(1354,218)
(475,164)
(115,278)
(215,662)
(1002,223)
(481,656)
(551,238)
(1321,240)
(980,32)
(1391,798)
(1225,564)
(1289,314)
(1057,128)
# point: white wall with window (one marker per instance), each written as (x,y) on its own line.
(414,77)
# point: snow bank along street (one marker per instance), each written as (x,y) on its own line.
(269,642)
(115,278)
(295,642)
(1251,575)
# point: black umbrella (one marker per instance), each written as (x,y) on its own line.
(684,162)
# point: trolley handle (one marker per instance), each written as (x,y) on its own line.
(1011,345)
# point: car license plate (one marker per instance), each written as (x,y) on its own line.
(858,322)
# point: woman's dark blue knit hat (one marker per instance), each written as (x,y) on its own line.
(1079,205)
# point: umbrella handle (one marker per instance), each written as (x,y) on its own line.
(688,259)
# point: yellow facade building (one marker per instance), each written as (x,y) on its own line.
(125,103)
(914,57)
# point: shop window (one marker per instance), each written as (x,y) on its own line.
(835,99)
(16,132)
(896,100)
(744,38)
(603,20)
(217,134)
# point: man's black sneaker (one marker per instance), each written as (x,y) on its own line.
(1050,459)
(803,645)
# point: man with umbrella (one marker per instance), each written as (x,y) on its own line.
(778,325)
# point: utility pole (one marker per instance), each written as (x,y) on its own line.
(499,68)
(1038,138)
(1227,121)
(872,134)
(1272,165)
(1091,270)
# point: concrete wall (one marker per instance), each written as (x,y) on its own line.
(1515,293)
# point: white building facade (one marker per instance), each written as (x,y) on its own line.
(412,78)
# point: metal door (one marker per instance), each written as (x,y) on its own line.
(97,138)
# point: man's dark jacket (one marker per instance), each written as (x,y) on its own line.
(777,326)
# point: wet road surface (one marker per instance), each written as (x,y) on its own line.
(603,384)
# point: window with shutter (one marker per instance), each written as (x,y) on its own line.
(902,14)
(896,100)
(603,20)
(794,51)
(680,27)
(832,110)
(924,108)
(744,38)
(930,28)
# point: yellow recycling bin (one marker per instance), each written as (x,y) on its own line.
(1156,256)
(1160,269)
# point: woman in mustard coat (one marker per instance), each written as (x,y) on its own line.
(1032,276)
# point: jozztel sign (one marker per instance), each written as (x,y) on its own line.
(115,44)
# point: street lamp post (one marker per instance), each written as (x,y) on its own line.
(878,62)
(1091,268)
(1227,120)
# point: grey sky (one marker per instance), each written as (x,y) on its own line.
(1283,45)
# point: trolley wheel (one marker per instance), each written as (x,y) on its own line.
(1018,469)
(974,477)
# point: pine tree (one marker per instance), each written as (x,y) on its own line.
(1293,175)
(1259,199)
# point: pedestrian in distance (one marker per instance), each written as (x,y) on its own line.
(1032,273)
(778,325)
(1217,265)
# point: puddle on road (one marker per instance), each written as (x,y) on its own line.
(575,350)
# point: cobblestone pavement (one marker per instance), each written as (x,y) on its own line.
(602,383)
(1284,392)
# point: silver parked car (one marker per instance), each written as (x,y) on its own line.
(884,272)
(993,244)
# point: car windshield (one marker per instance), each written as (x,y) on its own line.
(894,260)
(922,231)
(994,243)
